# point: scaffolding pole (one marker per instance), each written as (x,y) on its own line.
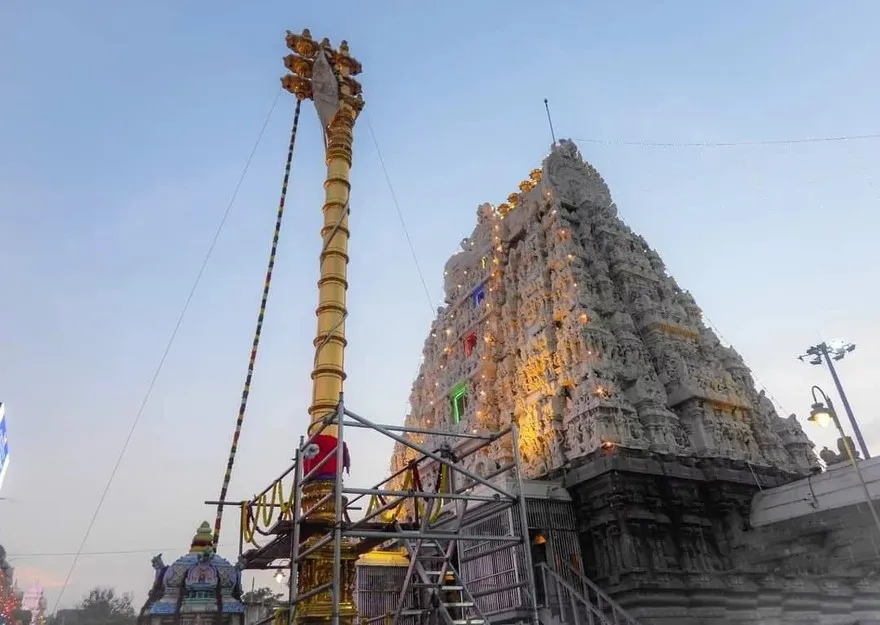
(469,499)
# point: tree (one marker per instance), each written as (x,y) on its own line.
(261,596)
(102,606)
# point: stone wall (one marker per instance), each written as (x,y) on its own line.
(670,539)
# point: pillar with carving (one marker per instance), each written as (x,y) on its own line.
(325,75)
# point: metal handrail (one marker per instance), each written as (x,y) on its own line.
(619,615)
(566,591)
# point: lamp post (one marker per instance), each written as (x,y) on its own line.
(823,353)
(822,414)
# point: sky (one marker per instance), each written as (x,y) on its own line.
(124,128)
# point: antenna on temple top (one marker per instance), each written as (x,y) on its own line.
(549,120)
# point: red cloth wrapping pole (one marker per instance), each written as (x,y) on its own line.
(321,446)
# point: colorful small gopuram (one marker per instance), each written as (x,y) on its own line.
(201,588)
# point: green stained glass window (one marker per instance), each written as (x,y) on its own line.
(458,399)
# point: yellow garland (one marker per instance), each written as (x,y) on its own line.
(408,483)
(287,506)
(267,512)
(263,511)
(247,530)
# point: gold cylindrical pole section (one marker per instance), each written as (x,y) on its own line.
(325,75)
(328,373)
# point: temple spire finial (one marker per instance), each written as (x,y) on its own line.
(550,120)
(203,538)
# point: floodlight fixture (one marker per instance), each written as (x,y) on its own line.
(828,353)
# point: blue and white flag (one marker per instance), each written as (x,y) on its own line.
(4,445)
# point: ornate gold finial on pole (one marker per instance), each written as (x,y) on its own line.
(325,75)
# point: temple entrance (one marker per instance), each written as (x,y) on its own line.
(538,546)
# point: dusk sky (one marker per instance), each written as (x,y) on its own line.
(125,126)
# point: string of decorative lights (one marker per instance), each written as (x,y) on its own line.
(167,350)
(728,144)
(409,242)
(412,250)
(763,386)
(9,600)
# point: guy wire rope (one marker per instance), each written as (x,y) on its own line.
(189,298)
(242,409)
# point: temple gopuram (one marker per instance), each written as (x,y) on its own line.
(561,319)
(200,588)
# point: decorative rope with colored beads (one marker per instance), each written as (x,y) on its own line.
(259,329)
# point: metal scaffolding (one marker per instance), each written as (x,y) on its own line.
(437,519)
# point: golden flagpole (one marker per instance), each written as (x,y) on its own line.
(325,75)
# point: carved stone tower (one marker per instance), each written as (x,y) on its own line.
(562,318)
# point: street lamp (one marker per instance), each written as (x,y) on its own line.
(822,413)
(828,353)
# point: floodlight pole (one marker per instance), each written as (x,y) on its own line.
(822,348)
